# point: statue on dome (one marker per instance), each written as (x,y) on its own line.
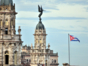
(41,11)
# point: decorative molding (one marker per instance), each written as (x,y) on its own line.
(8,12)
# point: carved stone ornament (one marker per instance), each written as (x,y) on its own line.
(7,46)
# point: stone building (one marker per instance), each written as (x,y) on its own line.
(39,54)
(10,42)
(25,55)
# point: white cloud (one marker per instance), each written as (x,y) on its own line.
(67,24)
(65,10)
(82,25)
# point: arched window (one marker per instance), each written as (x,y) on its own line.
(6,52)
(54,61)
(6,57)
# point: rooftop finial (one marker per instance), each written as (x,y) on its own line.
(41,12)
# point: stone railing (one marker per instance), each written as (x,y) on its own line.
(54,54)
(16,37)
(6,37)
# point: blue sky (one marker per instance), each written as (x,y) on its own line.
(60,18)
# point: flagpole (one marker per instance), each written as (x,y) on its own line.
(68,50)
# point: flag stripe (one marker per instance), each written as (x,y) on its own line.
(74,38)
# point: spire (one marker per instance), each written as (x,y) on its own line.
(40,25)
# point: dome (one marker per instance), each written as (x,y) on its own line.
(6,2)
(40,26)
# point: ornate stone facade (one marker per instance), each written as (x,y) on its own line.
(39,54)
(10,42)
(26,58)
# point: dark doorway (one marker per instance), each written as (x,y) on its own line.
(6,59)
(6,31)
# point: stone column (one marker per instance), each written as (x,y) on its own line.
(19,54)
(44,59)
(12,55)
(33,59)
(36,58)
(1,55)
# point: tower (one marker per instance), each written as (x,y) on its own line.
(10,42)
(39,53)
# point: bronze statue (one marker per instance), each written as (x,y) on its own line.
(41,11)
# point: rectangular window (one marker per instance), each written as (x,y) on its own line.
(6,22)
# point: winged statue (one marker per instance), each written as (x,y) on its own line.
(40,10)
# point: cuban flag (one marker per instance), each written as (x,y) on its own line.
(74,38)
